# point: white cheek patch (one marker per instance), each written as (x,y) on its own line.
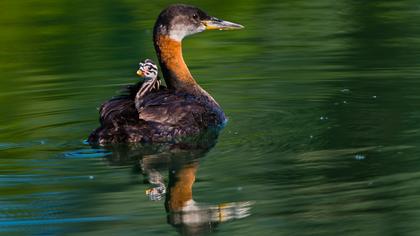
(179,32)
(177,35)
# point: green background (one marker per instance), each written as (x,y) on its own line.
(323,102)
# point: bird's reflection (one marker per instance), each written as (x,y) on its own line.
(181,160)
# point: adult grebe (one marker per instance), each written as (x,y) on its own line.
(183,108)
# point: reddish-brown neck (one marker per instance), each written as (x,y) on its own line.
(180,187)
(175,71)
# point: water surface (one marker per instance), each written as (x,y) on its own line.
(322,99)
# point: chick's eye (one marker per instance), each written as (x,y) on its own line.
(195,16)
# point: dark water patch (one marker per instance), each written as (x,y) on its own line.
(22,223)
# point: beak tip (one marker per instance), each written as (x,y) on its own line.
(237,26)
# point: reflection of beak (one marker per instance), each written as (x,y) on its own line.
(140,73)
(217,24)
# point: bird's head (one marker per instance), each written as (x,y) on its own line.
(178,21)
(147,69)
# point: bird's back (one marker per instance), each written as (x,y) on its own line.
(164,116)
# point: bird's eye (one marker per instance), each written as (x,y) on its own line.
(195,16)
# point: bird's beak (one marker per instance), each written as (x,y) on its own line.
(217,24)
(140,73)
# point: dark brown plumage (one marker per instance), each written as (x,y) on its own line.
(164,117)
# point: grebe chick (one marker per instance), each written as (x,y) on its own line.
(149,72)
(183,109)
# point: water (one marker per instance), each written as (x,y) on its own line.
(323,104)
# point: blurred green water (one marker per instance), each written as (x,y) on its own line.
(322,98)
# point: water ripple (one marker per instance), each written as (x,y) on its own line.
(86,153)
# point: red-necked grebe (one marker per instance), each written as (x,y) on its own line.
(165,114)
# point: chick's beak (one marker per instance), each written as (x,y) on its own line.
(140,73)
(216,24)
